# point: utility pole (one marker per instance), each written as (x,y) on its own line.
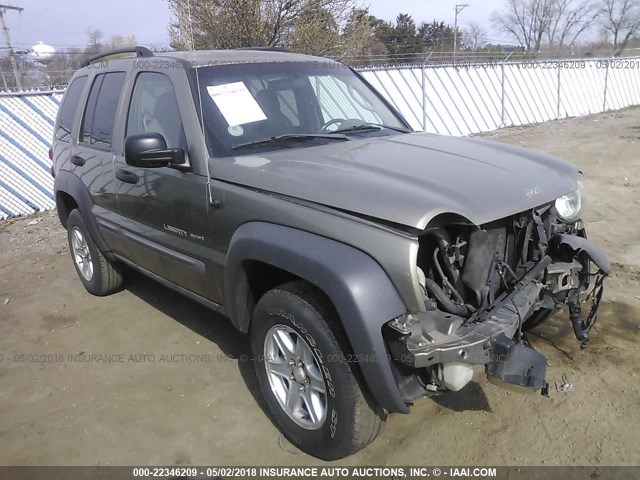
(7,38)
(459,8)
(4,80)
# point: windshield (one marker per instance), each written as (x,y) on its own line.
(271,106)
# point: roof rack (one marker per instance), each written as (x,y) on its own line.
(139,51)
(266,49)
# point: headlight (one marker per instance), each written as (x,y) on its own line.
(569,206)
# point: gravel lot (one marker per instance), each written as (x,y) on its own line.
(173,386)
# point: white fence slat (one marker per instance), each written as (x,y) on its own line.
(458,100)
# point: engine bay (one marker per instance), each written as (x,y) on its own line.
(483,288)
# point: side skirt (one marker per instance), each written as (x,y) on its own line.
(216,307)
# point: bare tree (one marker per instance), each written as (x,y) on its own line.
(526,20)
(62,66)
(569,19)
(474,36)
(621,20)
(358,42)
(559,22)
(244,23)
(95,36)
(120,41)
(315,32)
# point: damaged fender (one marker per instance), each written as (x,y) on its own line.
(581,244)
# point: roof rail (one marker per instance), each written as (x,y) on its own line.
(139,51)
(266,49)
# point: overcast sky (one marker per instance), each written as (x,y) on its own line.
(64,23)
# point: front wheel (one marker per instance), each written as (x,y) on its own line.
(538,318)
(314,394)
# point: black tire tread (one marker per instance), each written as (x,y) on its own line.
(110,274)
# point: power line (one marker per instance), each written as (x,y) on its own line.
(37,15)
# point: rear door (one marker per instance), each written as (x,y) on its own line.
(164,211)
(63,134)
(92,157)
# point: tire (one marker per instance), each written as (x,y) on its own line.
(538,318)
(351,420)
(99,275)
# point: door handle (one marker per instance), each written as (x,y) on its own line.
(78,161)
(127,176)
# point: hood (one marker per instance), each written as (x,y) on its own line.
(408,179)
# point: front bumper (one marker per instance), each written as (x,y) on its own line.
(493,337)
(425,339)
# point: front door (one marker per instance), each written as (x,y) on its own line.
(163,211)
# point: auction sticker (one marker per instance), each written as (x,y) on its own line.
(236,103)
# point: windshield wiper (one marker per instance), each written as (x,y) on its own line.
(289,137)
(372,126)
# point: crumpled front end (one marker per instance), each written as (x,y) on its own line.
(483,288)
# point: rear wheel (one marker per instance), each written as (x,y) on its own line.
(99,275)
(314,394)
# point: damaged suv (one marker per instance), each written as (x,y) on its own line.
(369,265)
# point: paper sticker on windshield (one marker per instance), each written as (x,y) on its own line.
(236,103)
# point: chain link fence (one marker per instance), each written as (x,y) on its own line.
(458,97)
(26,131)
(467,97)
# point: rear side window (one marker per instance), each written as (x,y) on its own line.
(90,110)
(102,105)
(69,108)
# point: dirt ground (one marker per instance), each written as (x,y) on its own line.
(149,402)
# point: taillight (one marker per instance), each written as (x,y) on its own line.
(51,153)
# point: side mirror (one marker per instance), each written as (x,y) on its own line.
(149,150)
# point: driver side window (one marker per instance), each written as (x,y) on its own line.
(154,109)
